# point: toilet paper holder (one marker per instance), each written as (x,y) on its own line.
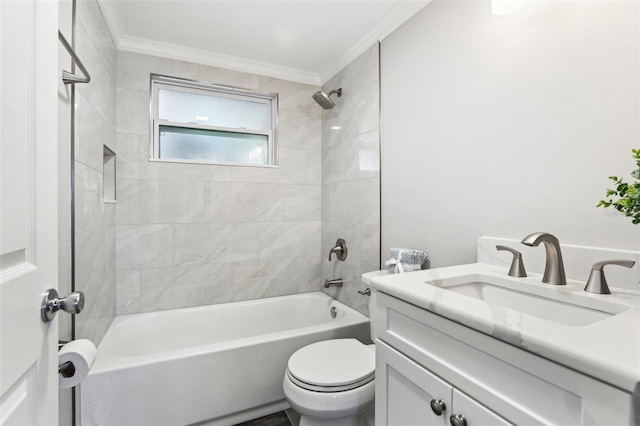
(67,369)
(75,359)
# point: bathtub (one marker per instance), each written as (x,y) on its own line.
(219,364)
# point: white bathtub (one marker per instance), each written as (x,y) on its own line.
(222,364)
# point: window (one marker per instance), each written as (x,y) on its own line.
(206,123)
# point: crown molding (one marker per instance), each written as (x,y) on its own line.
(401,12)
(204,57)
(110,12)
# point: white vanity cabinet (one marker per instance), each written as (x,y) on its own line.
(477,413)
(414,396)
(421,356)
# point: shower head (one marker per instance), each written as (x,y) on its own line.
(323,98)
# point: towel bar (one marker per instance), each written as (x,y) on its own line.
(67,77)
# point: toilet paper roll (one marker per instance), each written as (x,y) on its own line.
(81,353)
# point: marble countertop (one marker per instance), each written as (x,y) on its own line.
(608,349)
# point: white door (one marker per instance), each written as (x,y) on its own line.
(28,210)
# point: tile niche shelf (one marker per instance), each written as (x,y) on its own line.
(109,175)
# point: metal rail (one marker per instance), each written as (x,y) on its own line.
(67,77)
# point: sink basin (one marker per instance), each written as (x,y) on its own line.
(562,305)
(537,306)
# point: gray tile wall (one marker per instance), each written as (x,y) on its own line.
(184,235)
(192,234)
(351,177)
(95,126)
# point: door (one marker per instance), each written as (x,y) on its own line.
(407,394)
(28,210)
(65,142)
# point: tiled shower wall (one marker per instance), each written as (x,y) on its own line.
(351,177)
(95,126)
(193,234)
(190,234)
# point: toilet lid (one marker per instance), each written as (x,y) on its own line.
(332,365)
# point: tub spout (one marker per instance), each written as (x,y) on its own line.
(333,283)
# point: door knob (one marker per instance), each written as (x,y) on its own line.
(51,304)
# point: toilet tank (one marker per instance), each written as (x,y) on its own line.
(366,279)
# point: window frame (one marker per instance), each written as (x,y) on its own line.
(158,82)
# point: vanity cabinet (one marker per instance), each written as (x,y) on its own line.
(422,357)
(414,396)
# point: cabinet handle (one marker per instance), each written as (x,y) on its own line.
(437,406)
(458,420)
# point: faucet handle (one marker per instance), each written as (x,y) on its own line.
(340,250)
(517,266)
(597,282)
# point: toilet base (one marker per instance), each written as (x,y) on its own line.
(365,417)
(314,421)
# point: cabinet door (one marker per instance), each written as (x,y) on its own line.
(404,391)
(475,413)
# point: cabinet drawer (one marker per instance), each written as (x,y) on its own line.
(522,387)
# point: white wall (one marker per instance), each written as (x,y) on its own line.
(502,126)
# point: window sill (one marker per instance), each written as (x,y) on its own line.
(266,166)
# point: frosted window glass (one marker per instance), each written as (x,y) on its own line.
(182,107)
(209,123)
(179,143)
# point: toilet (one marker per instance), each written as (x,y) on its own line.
(330,382)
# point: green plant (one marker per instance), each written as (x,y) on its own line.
(628,194)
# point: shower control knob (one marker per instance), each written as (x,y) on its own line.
(51,304)
(438,407)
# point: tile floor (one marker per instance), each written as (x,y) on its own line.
(283,418)
(291,418)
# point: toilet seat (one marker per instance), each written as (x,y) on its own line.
(332,366)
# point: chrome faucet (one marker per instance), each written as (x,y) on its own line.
(554,267)
(340,250)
